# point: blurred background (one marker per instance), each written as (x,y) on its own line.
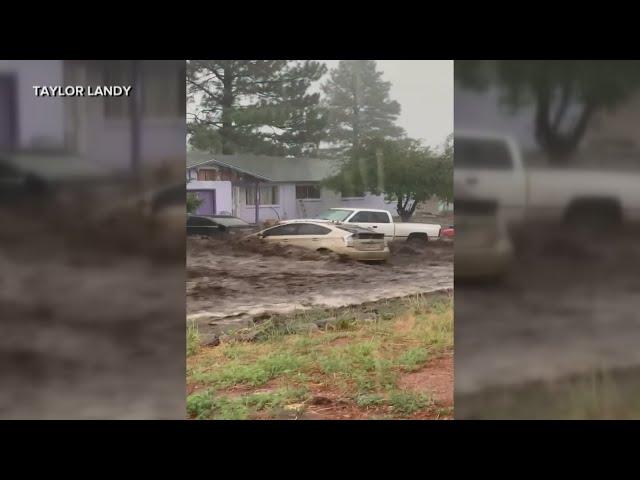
(92,241)
(547,194)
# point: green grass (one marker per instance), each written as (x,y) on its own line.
(413,359)
(193,339)
(365,400)
(207,405)
(358,355)
(598,394)
(254,374)
(407,403)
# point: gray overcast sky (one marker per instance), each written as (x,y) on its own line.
(424,89)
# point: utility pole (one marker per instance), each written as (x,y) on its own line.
(257,202)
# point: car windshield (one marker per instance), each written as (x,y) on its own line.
(334,215)
(230,221)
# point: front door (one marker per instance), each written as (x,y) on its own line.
(208,202)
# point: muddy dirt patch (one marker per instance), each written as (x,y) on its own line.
(436,378)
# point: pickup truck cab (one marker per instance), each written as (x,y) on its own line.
(490,167)
(381,221)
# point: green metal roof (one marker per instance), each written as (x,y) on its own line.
(274,169)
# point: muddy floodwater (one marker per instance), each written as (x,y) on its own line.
(568,309)
(229,286)
(88,331)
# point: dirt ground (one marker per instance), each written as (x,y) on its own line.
(435,377)
(89,330)
(327,403)
(229,284)
(568,307)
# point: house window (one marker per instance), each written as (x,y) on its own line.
(307,191)
(207,175)
(268,195)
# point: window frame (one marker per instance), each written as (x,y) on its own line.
(302,224)
(362,212)
(206,171)
(249,200)
(382,214)
(306,186)
(265,233)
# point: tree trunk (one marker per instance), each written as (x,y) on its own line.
(355,125)
(226,131)
(405,216)
(557,144)
(405,207)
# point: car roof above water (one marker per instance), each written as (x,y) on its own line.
(353,209)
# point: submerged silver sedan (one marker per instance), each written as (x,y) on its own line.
(348,240)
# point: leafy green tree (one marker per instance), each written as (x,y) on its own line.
(359,105)
(403,170)
(566,94)
(258,106)
(193,202)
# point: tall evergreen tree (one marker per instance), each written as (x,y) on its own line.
(359,105)
(258,106)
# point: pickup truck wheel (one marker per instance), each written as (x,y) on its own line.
(594,215)
(417,239)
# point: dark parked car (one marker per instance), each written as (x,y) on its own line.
(216,225)
(16,184)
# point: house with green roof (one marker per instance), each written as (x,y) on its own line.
(282,187)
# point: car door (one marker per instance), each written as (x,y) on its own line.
(490,169)
(285,234)
(309,235)
(377,221)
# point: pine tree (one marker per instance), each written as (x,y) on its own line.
(359,105)
(258,106)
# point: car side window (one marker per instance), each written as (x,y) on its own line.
(310,229)
(380,217)
(289,229)
(198,222)
(483,154)
(361,217)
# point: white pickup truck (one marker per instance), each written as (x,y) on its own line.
(490,167)
(382,221)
